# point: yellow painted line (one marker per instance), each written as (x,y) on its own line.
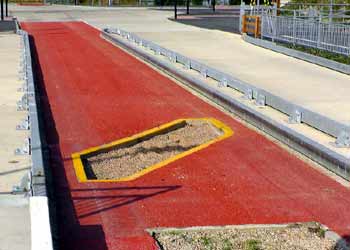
(79,167)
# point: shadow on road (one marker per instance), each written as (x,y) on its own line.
(68,206)
(222,19)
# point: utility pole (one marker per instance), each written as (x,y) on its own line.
(188,7)
(175,9)
(2,10)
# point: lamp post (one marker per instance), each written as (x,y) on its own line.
(2,10)
(175,9)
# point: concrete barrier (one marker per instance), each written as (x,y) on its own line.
(307,146)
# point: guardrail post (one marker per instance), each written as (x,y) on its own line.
(319,31)
(241,15)
(274,27)
(343,139)
(257,22)
(294,24)
(348,46)
(244,19)
(274,8)
(331,12)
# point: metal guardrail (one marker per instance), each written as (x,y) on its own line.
(41,235)
(307,32)
(38,187)
(320,153)
(296,112)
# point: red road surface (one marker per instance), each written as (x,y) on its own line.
(93,93)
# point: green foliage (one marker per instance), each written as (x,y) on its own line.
(100,2)
(207,242)
(235,2)
(295,4)
(248,2)
(169,2)
(84,2)
(227,245)
(321,233)
(197,2)
(252,245)
(321,53)
(175,232)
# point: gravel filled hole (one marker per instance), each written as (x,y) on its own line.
(131,157)
(305,236)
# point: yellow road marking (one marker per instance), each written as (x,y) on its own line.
(79,167)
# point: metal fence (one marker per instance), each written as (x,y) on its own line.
(307,32)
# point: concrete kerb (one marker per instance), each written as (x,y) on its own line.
(316,120)
(35,139)
(39,210)
(16,24)
(309,147)
(40,225)
(340,67)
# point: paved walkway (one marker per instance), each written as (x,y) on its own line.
(12,168)
(314,87)
(15,221)
(14,209)
(91,94)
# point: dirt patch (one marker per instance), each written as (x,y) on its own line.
(306,236)
(126,160)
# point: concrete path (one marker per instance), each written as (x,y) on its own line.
(15,221)
(14,209)
(92,95)
(12,167)
(314,87)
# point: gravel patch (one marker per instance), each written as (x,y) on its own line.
(127,160)
(306,236)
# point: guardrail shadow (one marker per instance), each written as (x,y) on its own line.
(112,198)
(68,207)
(67,233)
